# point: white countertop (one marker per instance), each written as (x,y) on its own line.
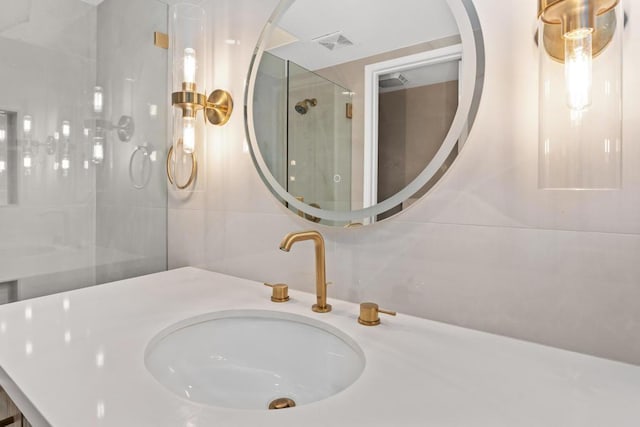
(79,359)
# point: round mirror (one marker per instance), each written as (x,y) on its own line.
(356,108)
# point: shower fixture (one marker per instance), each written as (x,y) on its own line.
(302,107)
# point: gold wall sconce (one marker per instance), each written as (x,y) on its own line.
(188,47)
(580,94)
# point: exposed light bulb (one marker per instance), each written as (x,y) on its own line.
(66,163)
(56,136)
(26,160)
(188,134)
(56,165)
(3,166)
(190,66)
(98,150)
(85,164)
(578,68)
(98,100)
(27,124)
(66,129)
(85,132)
(3,126)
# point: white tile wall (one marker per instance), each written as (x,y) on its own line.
(486,249)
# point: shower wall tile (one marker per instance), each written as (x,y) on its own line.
(188,245)
(485,249)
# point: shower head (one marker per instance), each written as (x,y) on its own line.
(303,106)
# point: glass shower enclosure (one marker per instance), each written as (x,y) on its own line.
(306,141)
(83,95)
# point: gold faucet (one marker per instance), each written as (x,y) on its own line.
(321,281)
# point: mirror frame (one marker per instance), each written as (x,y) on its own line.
(473,67)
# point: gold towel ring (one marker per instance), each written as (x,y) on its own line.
(194,168)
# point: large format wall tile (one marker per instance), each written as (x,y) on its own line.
(485,249)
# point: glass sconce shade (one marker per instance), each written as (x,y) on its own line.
(580,102)
(188,48)
(98,100)
(66,129)
(3,127)
(27,158)
(65,163)
(27,126)
(97,150)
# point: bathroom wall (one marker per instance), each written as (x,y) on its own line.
(486,249)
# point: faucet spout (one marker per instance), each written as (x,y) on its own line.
(321,305)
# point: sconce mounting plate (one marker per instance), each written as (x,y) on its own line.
(126,128)
(219,107)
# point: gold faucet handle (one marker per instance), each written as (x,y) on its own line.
(369,314)
(280,292)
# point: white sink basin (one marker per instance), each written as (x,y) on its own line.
(247,359)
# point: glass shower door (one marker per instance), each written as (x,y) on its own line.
(82,91)
(319,140)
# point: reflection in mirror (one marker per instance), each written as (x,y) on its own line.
(8,158)
(350,119)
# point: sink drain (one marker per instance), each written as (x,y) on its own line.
(282,403)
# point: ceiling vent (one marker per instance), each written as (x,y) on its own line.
(392,80)
(333,41)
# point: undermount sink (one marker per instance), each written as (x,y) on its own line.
(252,358)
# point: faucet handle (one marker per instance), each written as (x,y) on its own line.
(369,314)
(280,292)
